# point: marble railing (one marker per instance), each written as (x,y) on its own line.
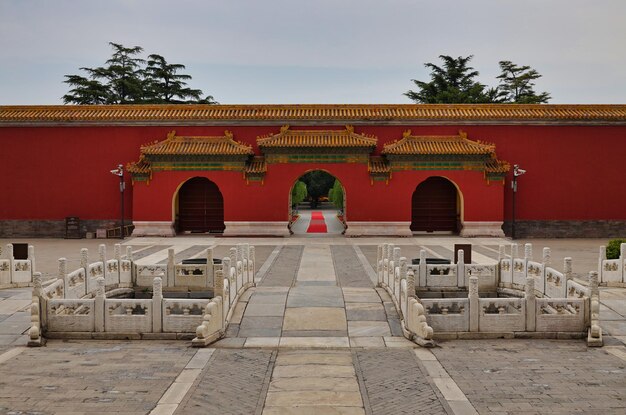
(78,303)
(612,272)
(16,272)
(398,280)
(534,297)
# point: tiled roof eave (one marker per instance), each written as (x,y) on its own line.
(330,113)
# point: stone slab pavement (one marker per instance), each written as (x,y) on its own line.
(351,362)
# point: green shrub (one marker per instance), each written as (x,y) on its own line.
(335,195)
(612,249)
(298,193)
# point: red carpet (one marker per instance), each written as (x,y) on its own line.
(317,225)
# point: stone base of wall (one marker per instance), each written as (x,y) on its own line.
(256,229)
(50,228)
(378,229)
(567,229)
(154,228)
(471,229)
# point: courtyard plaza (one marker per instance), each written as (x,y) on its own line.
(313,337)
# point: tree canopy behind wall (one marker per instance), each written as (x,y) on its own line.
(126,78)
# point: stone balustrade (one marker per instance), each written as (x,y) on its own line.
(534,299)
(612,272)
(398,280)
(82,303)
(16,272)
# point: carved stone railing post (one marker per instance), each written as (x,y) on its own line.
(474,304)
(218,290)
(460,269)
(501,253)
(11,264)
(99,305)
(102,257)
(531,301)
(129,253)
(528,252)
(601,258)
(84,259)
(404,267)
(170,278)
(410,283)
(622,263)
(62,274)
(253,267)
(35,332)
(157,305)
(594,338)
(117,252)
(209,266)
(31,258)
(567,269)
(547,261)
(389,263)
(379,264)
(514,251)
(422,268)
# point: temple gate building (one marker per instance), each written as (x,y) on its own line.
(229,169)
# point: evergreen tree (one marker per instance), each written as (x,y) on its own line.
(453,83)
(335,195)
(298,193)
(126,78)
(164,83)
(516,84)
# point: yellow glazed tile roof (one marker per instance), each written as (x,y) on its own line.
(142,166)
(378,165)
(316,138)
(174,144)
(169,114)
(257,165)
(497,166)
(458,144)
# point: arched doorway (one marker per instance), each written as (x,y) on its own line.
(200,207)
(317,204)
(435,206)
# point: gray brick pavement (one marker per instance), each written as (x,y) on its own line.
(536,376)
(394,383)
(234,382)
(283,271)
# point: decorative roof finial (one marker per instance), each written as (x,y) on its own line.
(284,129)
(462,134)
(171,135)
(350,129)
(228,134)
(406,134)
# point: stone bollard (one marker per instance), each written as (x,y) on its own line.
(460,269)
(501,253)
(547,257)
(99,305)
(422,268)
(531,301)
(84,259)
(157,305)
(594,338)
(253,267)
(170,277)
(528,252)
(31,258)
(474,304)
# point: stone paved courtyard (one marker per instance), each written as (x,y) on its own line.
(314,337)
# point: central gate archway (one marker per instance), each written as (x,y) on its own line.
(435,206)
(200,207)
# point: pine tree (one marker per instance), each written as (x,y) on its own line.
(516,84)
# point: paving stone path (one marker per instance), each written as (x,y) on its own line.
(314,337)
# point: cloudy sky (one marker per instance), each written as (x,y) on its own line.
(317,51)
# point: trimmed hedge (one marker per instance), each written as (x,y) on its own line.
(612,249)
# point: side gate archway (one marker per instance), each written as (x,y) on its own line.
(200,207)
(436,206)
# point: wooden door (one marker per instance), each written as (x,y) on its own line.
(434,206)
(200,207)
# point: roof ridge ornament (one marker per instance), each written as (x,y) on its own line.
(406,134)
(284,129)
(350,129)
(171,135)
(228,134)
(463,134)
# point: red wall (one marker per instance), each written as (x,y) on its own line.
(53,172)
